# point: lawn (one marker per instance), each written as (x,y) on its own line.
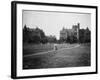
(36,48)
(75,57)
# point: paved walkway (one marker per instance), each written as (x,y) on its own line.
(50,51)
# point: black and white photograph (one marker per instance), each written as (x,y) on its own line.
(53,39)
(56,39)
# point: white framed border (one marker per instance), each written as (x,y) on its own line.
(41,72)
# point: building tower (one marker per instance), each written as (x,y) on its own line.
(76,30)
(63,34)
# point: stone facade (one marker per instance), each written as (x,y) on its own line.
(64,33)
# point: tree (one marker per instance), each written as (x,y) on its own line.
(44,40)
(34,39)
(26,34)
(81,36)
(87,35)
(33,35)
(84,35)
(51,39)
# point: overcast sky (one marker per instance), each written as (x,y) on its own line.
(52,22)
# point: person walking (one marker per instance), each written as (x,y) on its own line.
(55,47)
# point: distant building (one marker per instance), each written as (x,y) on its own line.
(65,33)
(33,35)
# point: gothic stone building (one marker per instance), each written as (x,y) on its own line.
(64,33)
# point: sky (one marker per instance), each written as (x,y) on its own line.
(52,22)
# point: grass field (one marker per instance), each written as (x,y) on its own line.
(36,48)
(75,57)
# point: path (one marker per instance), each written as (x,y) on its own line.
(50,51)
(67,57)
